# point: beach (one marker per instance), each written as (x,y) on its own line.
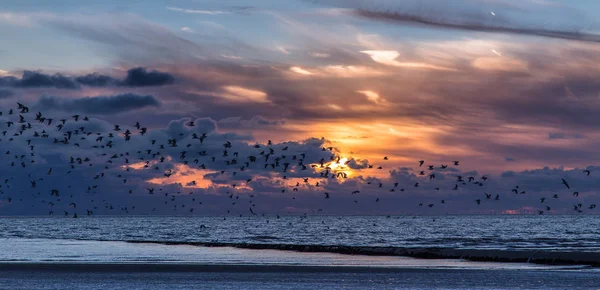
(77,264)
(170,276)
(293,253)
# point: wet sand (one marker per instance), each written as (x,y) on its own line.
(78,264)
(492,255)
(185,276)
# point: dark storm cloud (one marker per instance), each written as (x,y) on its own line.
(33,79)
(96,80)
(98,105)
(136,77)
(141,77)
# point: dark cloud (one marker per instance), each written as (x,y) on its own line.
(96,80)
(358,164)
(252,123)
(136,77)
(462,15)
(8,81)
(98,105)
(560,135)
(141,77)
(484,26)
(33,79)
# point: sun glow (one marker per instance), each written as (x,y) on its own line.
(186,176)
(339,167)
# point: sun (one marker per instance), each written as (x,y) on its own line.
(337,166)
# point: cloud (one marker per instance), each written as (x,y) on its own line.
(388,57)
(252,123)
(481,26)
(500,64)
(32,79)
(561,135)
(371,96)
(462,16)
(96,80)
(282,50)
(214,185)
(98,105)
(127,38)
(136,77)
(141,77)
(187,29)
(241,94)
(300,70)
(194,11)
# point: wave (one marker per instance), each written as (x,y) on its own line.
(547,257)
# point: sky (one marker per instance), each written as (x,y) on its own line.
(508,88)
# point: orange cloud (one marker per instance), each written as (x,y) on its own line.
(186,176)
(300,70)
(241,94)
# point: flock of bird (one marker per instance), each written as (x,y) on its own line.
(98,157)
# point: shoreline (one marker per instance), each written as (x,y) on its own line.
(478,255)
(129,267)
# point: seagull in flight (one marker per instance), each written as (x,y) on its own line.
(565,183)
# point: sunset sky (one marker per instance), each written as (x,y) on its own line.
(511,89)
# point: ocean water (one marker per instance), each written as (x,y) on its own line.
(97,252)
(574,233)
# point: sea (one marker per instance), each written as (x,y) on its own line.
(300,252)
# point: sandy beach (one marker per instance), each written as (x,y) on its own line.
(179,276)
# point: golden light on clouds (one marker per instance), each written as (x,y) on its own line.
(356,139)
(351,71)
(500,64)
(334,107)
(300,70)
(388,57)
(240,94)
(338,167)
(371,96)
(142,165)
(319,55)
(186,176)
